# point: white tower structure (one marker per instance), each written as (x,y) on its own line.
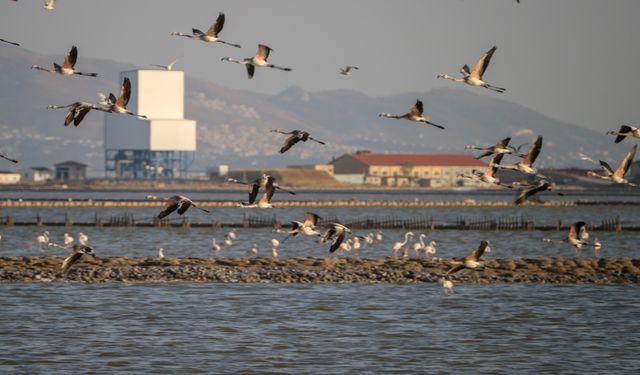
(160,146)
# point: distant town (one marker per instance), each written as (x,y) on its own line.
(359,169)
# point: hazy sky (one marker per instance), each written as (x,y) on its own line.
(574,60)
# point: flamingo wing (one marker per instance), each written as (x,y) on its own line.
(173,205)
(70,260)
(477,253)
(253,193)
(526,193)
(311,219)
(289,142)
(250,70)
(626,162)
(574,229)
(81,112)
(263,52)
(339,238)
(70,59)
(125,93)
(483,63)
(184,205)
(533,152)
(606,167)
(417,109)
(217,26)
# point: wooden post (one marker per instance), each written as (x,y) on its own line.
(186,223)
(67,220)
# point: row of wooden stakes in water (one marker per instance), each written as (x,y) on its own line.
(508,223)
(284,203)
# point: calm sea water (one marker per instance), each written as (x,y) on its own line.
(325,328)
(197,242)
(266,328)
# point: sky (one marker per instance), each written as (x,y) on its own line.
(572,60)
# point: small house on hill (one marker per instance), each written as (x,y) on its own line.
(71,171)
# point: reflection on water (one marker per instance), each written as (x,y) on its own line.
(258,328)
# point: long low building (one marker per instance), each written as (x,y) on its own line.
(407,170)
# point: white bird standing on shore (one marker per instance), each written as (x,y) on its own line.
(83,239)
(254,250)
(447,286)
(430,249)
(68,239)
(231,234)
(274,247)
(215,247)
(418,246)
(161,253)
(42,239)
(400,245)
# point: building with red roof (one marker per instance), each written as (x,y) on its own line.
(406,170)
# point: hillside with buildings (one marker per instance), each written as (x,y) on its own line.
(233,126)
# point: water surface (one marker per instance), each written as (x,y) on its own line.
(262,328)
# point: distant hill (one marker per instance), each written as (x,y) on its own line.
(233,125)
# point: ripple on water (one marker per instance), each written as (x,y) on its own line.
(204,328)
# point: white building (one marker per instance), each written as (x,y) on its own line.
(37,174)
(159,146)
(9,178)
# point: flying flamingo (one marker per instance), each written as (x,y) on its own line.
(472,260)
(180,203)
(211,36)
(625,131)
(77,252)
(474,77)
(295,136)
(617,176)
(67,67)
(347,71)
(414,115)
(259,60)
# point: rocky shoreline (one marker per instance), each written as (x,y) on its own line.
(317,270)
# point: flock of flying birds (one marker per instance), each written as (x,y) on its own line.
(337,232)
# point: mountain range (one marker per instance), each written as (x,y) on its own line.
(233,125)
